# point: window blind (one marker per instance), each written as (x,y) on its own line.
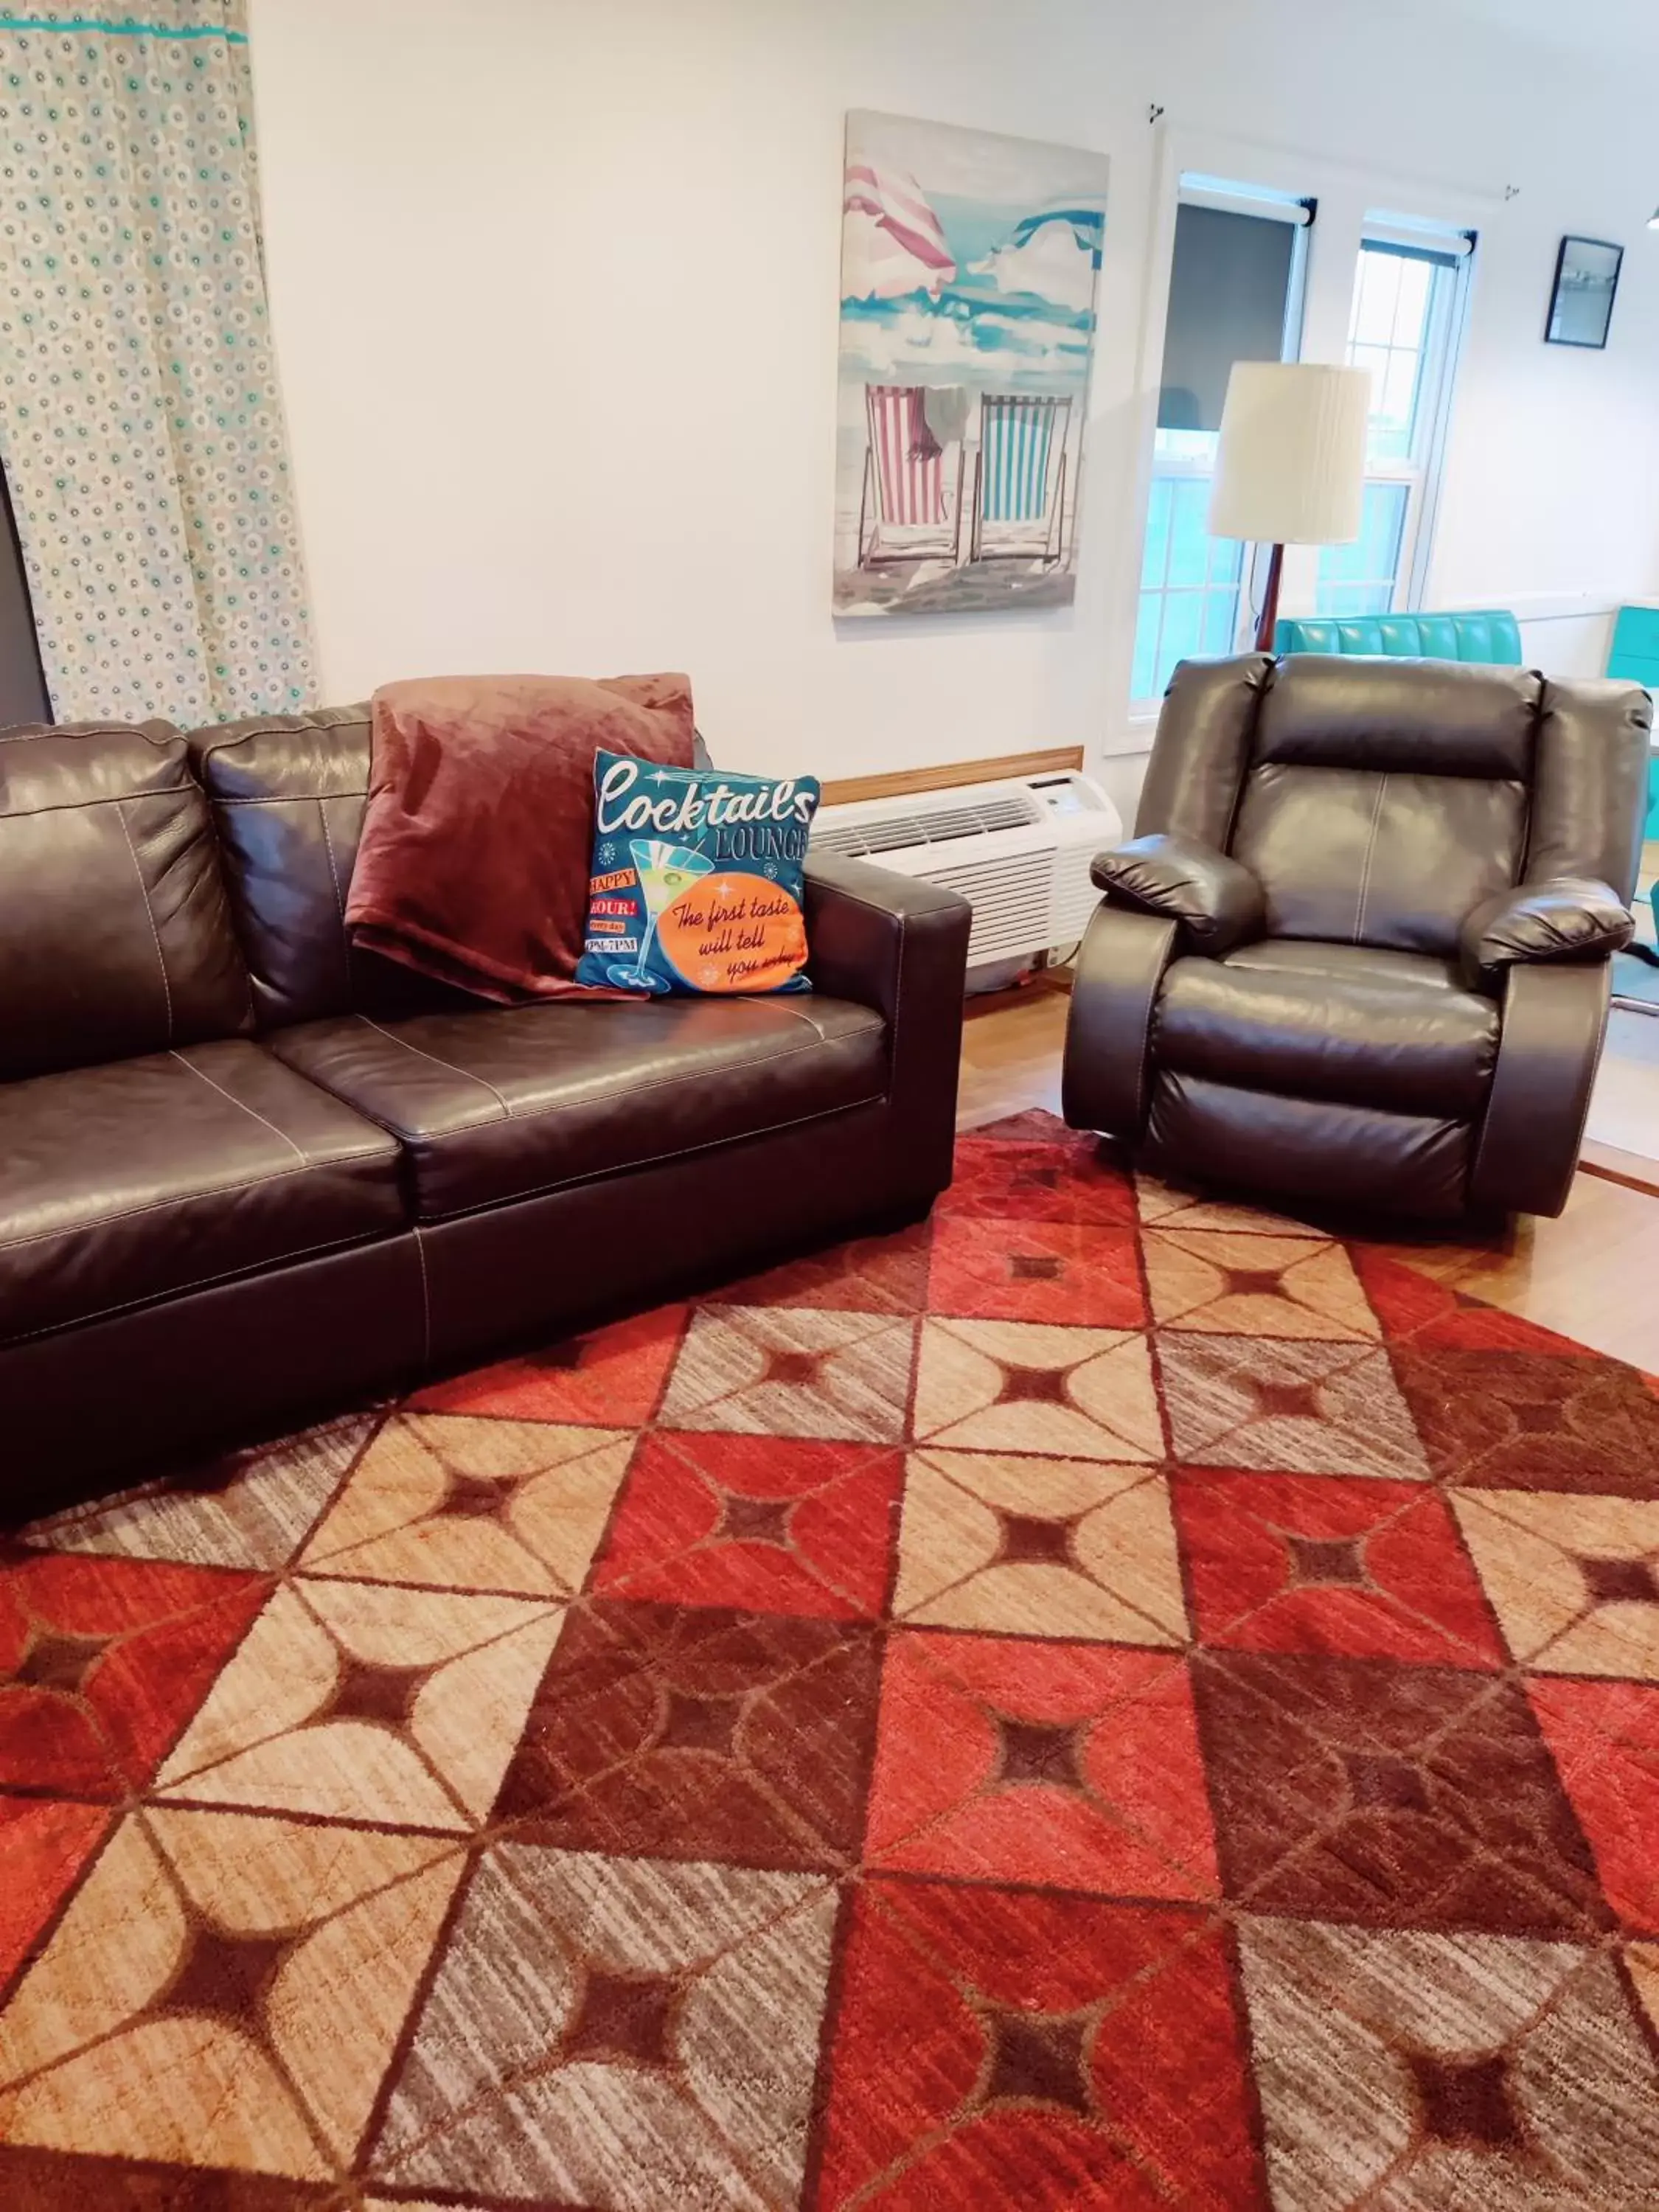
(1441,256)
(1228,288)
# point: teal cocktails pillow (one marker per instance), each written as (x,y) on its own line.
(696,884)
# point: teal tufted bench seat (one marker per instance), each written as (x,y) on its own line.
(1484,634)
(1636,655)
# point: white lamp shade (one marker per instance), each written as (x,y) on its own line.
(1291,469)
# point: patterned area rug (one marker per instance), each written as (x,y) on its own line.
(1104,1700)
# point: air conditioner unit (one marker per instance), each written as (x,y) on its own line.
(1018,851)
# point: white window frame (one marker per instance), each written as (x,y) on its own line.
(1196,189)
(1185,468)
(1420,470)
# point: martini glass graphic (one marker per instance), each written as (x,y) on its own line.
(664,871)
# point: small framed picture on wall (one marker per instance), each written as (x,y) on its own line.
(1586,280)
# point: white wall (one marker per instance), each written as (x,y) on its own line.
(553,285)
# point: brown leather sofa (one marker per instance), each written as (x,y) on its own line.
(248,1175)
(1357,950)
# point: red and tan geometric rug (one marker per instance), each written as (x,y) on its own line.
(1104,1700)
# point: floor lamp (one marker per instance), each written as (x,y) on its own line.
(1290,469)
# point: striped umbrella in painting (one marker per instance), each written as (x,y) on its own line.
(901,244)
(1018,434)
(909,463)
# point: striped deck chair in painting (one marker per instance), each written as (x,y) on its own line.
(912,503)
(1018,510)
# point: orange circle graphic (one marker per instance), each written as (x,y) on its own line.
(728,932)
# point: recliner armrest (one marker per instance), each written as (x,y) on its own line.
(1216,901)
(1564,918)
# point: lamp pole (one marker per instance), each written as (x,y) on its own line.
(1268,625)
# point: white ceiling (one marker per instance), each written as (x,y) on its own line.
(1598,30)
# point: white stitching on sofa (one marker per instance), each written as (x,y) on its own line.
(333,867)
(83,806)
(318,718)
(298,1151)
(1148,1033)
(696,1075)
(339,896)
(252,1271)
(887,913)
(801,1014)
(137,869)
(181,1197)
(1370,854)
(28,732)
(1485,1130)
(448,1067)
(425,1302)
(656,1159)
(291,798)
(599,1098)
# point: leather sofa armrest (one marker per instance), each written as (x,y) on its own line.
(878,937)
(885,941)
(1564,918)
(1216,901)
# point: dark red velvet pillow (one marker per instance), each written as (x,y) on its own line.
(473,863)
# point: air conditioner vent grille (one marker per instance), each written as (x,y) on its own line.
(1018,852)
(937,825)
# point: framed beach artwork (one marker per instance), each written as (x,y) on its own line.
(970,264)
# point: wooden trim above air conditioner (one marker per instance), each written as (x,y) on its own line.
(898,783)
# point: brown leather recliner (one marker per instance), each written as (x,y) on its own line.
(1357,950)
(248,1175)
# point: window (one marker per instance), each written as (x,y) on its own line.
(1408,312)
(1234,294)
(1190,582)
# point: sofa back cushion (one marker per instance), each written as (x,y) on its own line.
(1427,717)
(1359,856)
(1382,800)
(115,933)
(289,793)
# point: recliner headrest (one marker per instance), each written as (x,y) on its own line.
(1407,717)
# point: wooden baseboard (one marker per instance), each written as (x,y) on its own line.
(1634,1171)
(900,783)
(1041,983)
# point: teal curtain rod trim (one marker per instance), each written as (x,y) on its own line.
(125,26)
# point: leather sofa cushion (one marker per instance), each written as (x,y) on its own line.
(1343,1021)
(1385,860)
(115,936)
(1401,717)
(149,1177)
(289,793)
(1313,1149)
(289,796)
(503,1102)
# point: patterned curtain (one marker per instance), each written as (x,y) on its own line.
(140,426)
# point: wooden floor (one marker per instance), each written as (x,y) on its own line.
(1622,1133)
(1593,1274)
